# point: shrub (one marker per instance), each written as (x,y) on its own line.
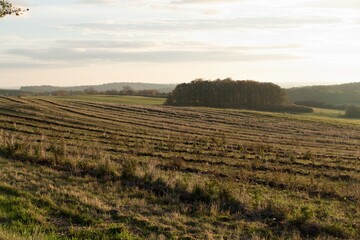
(176,163)
(129,168)
(106,168)
(212,192)
(308,155)
(352,112)
(59,151)
(208,193)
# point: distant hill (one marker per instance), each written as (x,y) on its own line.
(348,93)
(9,92)
(163,88)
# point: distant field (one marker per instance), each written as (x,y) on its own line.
(87,169)
(330,116)
(319,114)
(137,100)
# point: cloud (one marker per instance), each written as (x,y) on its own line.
(333,4)
(31,65)
(87,56)
(203,1)
(91,2)
(106,44)
(299,3)
(201,24)
(100,51)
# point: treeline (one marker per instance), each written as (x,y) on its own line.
(127,90)
(10,93)
(228,93)
(118,86)
(343,94)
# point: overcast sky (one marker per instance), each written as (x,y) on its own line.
(76,42)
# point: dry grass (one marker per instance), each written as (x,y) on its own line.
(86,170)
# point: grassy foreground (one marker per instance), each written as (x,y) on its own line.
(88,170)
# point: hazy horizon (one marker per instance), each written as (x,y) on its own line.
(74,42)
(65,86)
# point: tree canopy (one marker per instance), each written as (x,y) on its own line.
(227,93)
(6,8)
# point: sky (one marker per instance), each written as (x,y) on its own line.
(78,42)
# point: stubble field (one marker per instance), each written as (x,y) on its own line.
(75,169)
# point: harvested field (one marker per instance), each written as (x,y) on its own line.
(88,170)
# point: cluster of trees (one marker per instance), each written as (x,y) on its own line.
(8,92)
(227,93)
(352,112)
(6,8)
